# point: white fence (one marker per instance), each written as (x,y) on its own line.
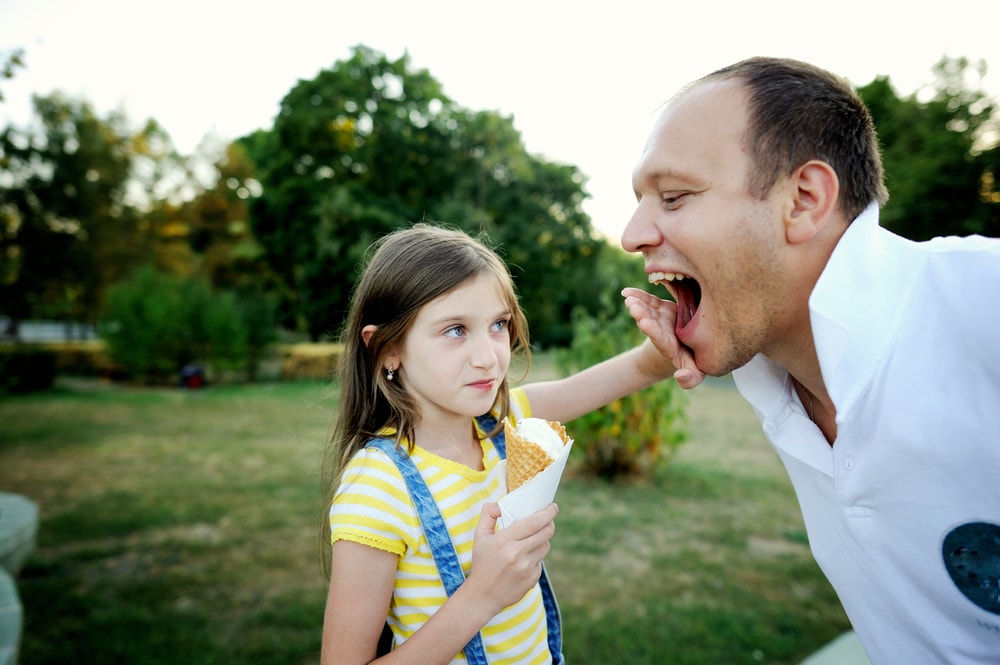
(46,331)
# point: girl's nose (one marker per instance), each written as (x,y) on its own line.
(484,356)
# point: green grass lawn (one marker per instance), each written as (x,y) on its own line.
(184,527)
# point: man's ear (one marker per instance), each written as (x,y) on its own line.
(815,189)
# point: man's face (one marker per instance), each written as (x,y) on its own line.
(702,235)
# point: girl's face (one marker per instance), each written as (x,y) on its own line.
(456,353)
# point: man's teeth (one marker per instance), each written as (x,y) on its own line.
(657,277)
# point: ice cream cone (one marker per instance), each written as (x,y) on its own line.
(526,459)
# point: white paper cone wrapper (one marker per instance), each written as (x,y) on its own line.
(535,494)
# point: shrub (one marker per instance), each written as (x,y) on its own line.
(157,324)
(632,436)
(258,313)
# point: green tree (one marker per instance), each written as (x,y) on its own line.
(534,210)
(346,151)
(69,208)
(371,145)
(228,254)
(940,154)
(219,232)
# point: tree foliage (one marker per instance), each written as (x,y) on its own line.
(370,145)
(367,146)
(70,219)
(62,206)
(941,154)
(218,227)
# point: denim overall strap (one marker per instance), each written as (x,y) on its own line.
(553,618)
(436,531)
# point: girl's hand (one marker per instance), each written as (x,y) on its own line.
(656,319)
(508,562)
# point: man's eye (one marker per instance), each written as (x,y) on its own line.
(673,200)
(454,331)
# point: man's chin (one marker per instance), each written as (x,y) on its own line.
(712,366)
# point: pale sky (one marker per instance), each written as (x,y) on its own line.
(583,81)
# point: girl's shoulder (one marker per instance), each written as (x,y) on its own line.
(371,464)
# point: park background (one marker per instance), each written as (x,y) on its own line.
(226,168)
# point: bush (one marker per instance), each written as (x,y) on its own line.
(258,313)
(157,324)
(632,436)
(24,370)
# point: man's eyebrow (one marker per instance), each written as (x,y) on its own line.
(655,178)
(671,174)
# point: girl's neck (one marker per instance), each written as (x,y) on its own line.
(454,441)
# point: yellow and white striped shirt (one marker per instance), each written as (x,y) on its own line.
(373,507)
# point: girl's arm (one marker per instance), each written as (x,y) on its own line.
(659,356)
(357,602)
(598,385)
(505,565)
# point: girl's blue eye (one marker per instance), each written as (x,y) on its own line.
(501,325)
(454,331)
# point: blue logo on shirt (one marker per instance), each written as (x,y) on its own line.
(972,557)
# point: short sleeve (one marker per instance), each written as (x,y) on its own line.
(520,407)
(372,505)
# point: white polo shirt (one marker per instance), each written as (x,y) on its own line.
(903,511)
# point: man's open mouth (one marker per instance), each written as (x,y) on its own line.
(686,293)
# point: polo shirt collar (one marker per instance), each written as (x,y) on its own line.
(852,306)
(851,309)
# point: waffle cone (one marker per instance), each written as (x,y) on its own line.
(526,459)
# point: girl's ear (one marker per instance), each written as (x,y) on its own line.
(391,359)
(367,332)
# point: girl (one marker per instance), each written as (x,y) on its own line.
(433,323)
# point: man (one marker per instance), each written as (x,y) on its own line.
(872,362)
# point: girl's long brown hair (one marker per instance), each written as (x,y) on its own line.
(407,269)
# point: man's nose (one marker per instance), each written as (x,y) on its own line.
(641,230)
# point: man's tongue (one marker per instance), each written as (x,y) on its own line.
(688,296)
